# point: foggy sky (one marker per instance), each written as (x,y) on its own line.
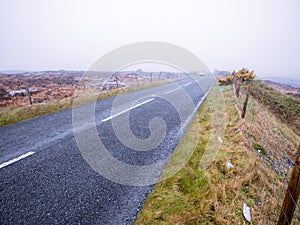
(262,35)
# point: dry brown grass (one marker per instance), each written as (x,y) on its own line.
(216,195)
(13,115)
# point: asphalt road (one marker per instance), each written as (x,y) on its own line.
(46,180)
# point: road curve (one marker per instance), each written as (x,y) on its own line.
(46,180)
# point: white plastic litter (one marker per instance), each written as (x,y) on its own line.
(229,164)
(246,212)
(220,139)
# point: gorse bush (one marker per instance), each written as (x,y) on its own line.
(242,75)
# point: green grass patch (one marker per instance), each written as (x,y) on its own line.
(283,106)
(260,148)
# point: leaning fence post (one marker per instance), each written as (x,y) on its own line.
(246,101)
(292,195)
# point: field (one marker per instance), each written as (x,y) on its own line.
(56,90)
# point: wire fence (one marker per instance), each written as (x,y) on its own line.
(276,150)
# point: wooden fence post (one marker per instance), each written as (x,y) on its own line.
(117,83)
(238,83)
(246,101)
(137,80)
(29,95)
(291,196)
(235,84)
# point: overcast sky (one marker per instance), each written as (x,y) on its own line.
(263,35)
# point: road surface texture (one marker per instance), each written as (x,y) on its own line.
(46,180)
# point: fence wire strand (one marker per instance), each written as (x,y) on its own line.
(280,155)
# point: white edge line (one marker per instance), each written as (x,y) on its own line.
(187,122)
(16,159)
(126,110)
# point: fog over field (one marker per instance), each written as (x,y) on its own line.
(226,35)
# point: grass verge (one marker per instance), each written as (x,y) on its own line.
(215,195)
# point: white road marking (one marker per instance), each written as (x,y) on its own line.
(169,92)
(16,159)
(126,110)
(188,84)
(187,122)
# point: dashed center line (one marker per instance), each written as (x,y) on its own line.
(169,92)
(188,84)
(16,159)
(126,110)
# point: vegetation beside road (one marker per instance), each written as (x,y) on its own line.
(14,115)
(216,195)
(285,107)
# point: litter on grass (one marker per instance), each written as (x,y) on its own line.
(246,212)
(220,139)
(229,164)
